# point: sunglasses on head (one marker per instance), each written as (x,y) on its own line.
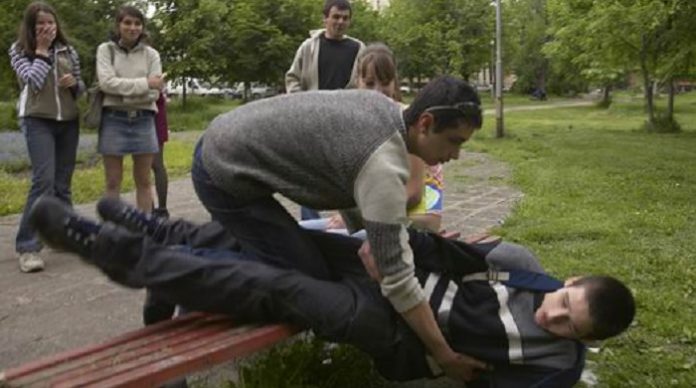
(466,109)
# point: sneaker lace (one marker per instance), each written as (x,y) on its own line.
(138,219)
(80,230)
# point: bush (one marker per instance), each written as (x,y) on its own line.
(663,124)
(197,112)
(604,103)
(310,363)
(8,116)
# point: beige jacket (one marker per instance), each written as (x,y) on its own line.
(304,71)
(124,79)
(38,80)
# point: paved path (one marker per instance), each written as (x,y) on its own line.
(550,105)
(71,304)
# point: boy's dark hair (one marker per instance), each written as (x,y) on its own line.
(450,100)
(611,304)
(342,5)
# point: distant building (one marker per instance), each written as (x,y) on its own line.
(379,4)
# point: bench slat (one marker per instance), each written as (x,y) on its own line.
(244,345)
(66,356)
(150,356)
(136,355)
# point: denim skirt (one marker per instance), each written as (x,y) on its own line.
(127,132)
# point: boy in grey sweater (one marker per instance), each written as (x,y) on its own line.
(358,164)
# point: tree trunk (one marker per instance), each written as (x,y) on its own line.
(606,95)
(541,76)
(247,91)
(647,84)
(670,99)
(649,99)
(183,93)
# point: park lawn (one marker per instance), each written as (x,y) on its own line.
(197,113)
(88,179)
(601,196)
(509,100)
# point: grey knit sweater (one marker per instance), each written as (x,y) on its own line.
(325,150)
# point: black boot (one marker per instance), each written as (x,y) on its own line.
(156,309)
(60,227)
(121,213)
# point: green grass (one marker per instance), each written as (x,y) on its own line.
(8,116)
(603,197)
(88,180)
(309,363)
(509,100)
(194,116)
(197,113)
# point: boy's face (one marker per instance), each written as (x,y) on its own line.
(337,23)
(565,312)
(437,148)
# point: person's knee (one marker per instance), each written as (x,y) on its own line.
(114,176)
(113,183)
(142,166)
(143,183)
(42,184)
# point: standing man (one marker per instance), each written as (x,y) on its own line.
(326,60)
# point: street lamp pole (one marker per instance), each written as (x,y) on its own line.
(499,131)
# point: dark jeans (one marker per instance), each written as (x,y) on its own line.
(179,232)
(52,146)
(307,213)
(183,265)
(262,227)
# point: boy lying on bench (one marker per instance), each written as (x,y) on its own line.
(491,299)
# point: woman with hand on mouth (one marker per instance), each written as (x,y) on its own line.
(48,71)
(130,76)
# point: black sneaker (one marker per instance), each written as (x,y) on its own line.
(60,227)
(121,213)
(160,212)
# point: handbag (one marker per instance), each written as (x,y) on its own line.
(95,100)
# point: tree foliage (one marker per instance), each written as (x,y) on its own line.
(560,45)
(85,25)
(654,39)
(439,36)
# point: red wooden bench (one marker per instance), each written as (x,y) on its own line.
(150,356)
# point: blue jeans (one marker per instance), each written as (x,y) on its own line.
(263,227)
(52,148)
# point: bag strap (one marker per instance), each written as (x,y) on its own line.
(111,50)
(95,83)
(518,278)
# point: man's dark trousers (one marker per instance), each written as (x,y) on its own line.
(199,268)
(263,228)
